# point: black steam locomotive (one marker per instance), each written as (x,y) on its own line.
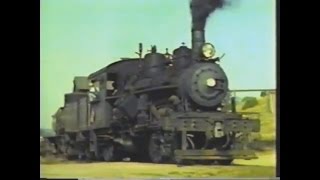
(160,107)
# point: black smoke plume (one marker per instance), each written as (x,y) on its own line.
(201,9)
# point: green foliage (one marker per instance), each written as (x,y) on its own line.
(46,132)
(51,159)
(263,94)
(249,102)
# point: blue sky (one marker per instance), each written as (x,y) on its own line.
(79,37)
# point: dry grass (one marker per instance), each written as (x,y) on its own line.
(262,167)
(268,120)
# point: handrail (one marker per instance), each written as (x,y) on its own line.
(251,90)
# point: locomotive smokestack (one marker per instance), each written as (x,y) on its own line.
(198,39)
(200,11)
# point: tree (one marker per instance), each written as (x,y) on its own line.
(249,102)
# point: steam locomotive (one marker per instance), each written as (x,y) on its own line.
(159,107)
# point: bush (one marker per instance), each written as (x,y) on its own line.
(51,159)
(46,132)
(263,94)
(249,102)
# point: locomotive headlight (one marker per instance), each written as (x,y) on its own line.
(211,82)
(208,50)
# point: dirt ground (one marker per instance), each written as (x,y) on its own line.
(262,167)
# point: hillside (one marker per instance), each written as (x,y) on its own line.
(268,119)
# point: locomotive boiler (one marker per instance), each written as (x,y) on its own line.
(161,107)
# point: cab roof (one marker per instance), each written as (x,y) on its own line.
(115,67)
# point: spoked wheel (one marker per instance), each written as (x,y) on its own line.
(70,153)
(65,148)
(81,156)
(62,148)
(190,145)
(89,155)
(156,149)
(225,162)
(108,153)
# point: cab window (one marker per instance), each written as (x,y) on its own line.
(94,86)
(111,84)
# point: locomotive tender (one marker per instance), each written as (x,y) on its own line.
(161,107)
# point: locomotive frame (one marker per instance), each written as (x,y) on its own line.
(92,134)
(155,108)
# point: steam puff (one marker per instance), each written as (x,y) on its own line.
(201,9)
